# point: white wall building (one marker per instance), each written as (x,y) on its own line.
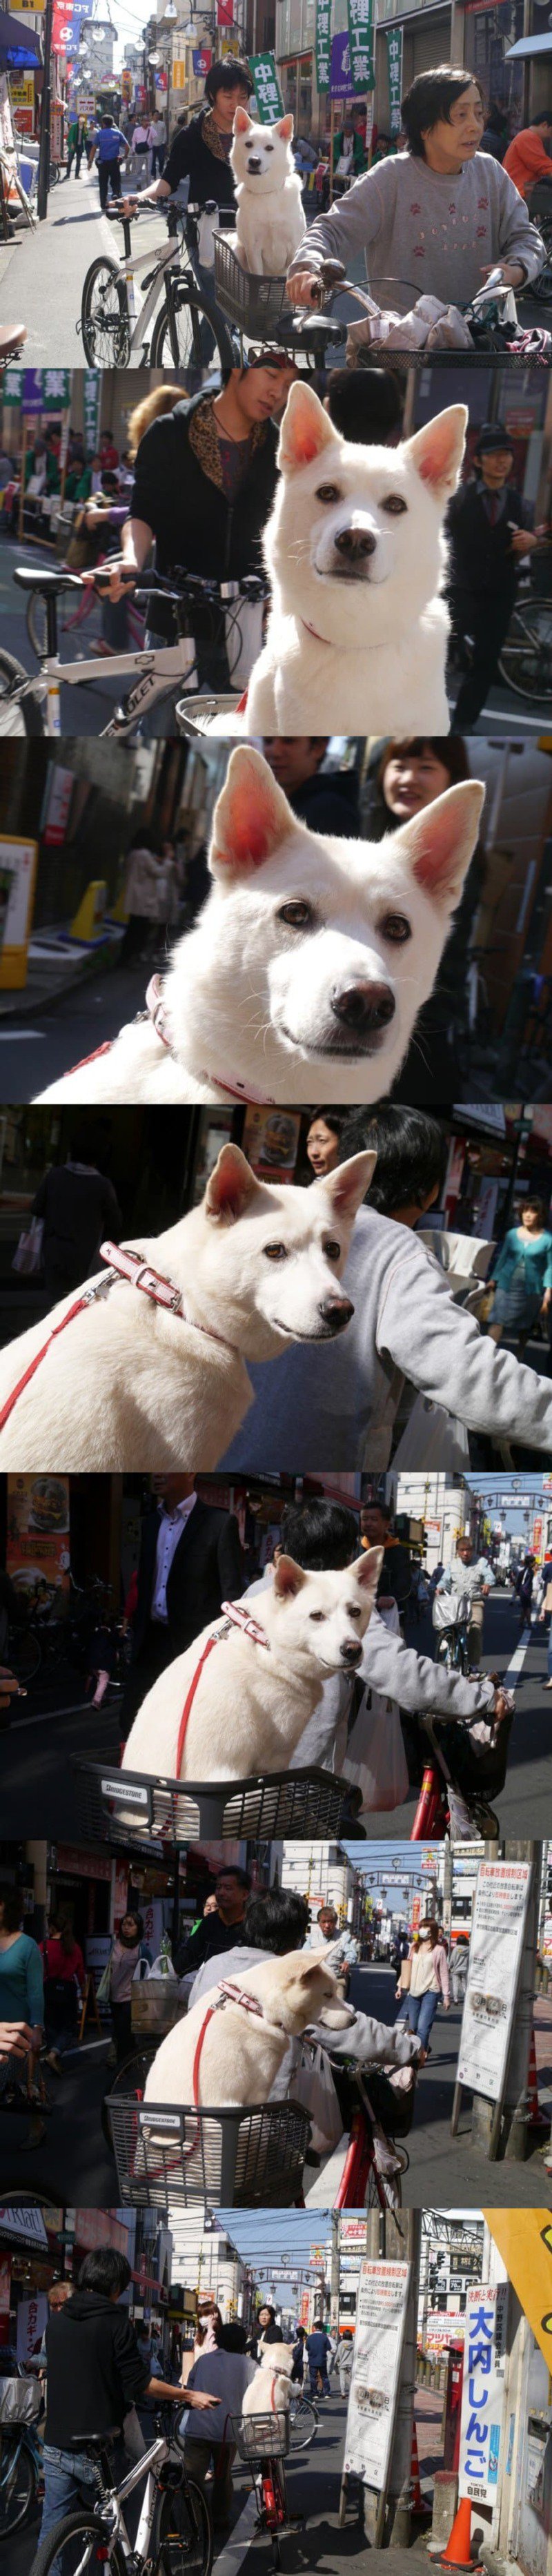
(204,2259)
(442,1502)
(323,1873)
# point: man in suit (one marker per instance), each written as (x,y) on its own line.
(190,1562)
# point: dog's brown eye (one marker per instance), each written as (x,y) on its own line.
(298,914)
(316,1614)
(396,928)
(332,1250)
(328,492)
(275,1251)
(353,1610)
(394,505)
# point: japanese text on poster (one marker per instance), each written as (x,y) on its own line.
(498,1920)
(379,2335)
(483,2392)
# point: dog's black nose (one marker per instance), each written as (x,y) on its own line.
(355,542)
(336,1312)
(363,1006)
(254,163)
(351,1654)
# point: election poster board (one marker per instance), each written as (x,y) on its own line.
(375,2374)
(498,1924)
(483,2387)
(18,867)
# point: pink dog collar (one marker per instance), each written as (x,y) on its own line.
(157,1013)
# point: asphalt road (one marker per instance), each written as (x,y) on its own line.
(42,273)
(446,2172)
(42,1044)
(522,1806)
(72,2161)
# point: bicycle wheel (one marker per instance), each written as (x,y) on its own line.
(130,2078)
(303,2423)
(541,286)
(77,2547)
(526,658)
(185,2533)
(17,2482)
(185,335)
(17,715)
(105,318)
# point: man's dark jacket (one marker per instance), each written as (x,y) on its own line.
(207,1568)
(481,556)
(94,2369)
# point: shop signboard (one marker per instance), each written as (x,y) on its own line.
(394,41)
(268,94)
(322,43)
(483,2392)
(37,1547)
(498,1923)
(379,2337)
(32,2317)
(524,2241)
(92,394)
(26,2226)
(270,1140)
(341,82)
(360,14)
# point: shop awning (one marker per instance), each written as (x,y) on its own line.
(23,2227)
(18,44)
(526,47)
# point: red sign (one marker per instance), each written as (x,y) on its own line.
(225,13)
(93,2227)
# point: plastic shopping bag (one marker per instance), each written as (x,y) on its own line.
(312,2084)
(375,1759)
(28,1254)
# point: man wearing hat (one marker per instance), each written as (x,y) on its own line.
(490,533)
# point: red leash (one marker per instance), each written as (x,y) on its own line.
(75,1309)
(240,1619)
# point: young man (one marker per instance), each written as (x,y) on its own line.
(94,2377)
(223,1917)
(439,216)
(109,148)
(490,533)
(528,154)
(326,802)
(190,1561)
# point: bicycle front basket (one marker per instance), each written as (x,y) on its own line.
(260,2437)
(450,1609)
(254,303)
(166,2154)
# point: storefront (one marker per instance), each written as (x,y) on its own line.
(426,40)
(489,30)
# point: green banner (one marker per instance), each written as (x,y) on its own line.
(323,43)
(45,389)
(394,74)
(360,14)
(268,94)
(91,400)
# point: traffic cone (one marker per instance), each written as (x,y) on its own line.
(458,2554)
(417,2504)
(537,2119)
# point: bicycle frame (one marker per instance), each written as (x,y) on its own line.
(108,2504)
(167,255)
(162,667)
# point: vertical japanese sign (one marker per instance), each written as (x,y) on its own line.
(322,43)
(379,2337)
(360,17)
(268,94)
(91,398)
(394,37)
(498,1923)
(483,2393)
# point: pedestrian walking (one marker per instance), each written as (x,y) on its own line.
(522,1275)
(64,1982)
(429,1982)
(191,1560)
(528,155)
(471,1578)
(129,1949)
(109,148)
(298,2350)
(157,144)
(144,891)
(77,1205)
(319,2345)
(226,2374)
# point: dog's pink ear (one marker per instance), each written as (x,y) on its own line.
(346,1188)
(437,450)
(306,430)
(230,1186)
(251,817)
(440,841)
(366,1569)
(241,120)
(288,1577)
(285,128)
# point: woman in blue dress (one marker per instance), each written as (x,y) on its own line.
(522,1277)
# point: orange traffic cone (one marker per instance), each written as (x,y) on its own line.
(537,2119)
(457,2554)
(416,2498)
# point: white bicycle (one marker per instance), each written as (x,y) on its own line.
(115,323)
(30,703)
(174,2536)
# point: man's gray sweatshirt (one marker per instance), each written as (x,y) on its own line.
(334,1404)
(425,234)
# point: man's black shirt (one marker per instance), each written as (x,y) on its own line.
(94,2370)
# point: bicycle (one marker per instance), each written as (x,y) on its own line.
(263,2442)
(174,2536)
(365,2183)
(88,612)
(20,2475)
(525,662)
(30,703)
(184,332)
(303,2419)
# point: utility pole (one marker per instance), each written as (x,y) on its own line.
(514,2108)
(397,2240)
(43,180)
(334,2272)
(448,1865)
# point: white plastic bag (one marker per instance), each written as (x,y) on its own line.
(20,2401)
(375,1759)
(312,2084)
(434,1435)
(161,1967)
(28,1255)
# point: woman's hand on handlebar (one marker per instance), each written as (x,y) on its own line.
(305,287)
(511,271)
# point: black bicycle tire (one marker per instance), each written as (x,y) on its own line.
(201,2509)
(30,708)
(527,695)
(541,287)
(306,2407)
(162,334)
(20,2518)
(48,2549)
(24,1672)
(110,268)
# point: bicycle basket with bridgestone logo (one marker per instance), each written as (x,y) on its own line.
(169,2153)
(449,1610)
(259,2437)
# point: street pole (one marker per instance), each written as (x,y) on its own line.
(510,2118)
(447,1889)
(387,2518)
(334,2271)
(43,180)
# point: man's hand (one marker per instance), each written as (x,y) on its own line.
(9,1687)
(511,271)
(502,1705)
(117,576)
(304,287)
(129,205)
(16,2038)
(199,2397)
(522,541)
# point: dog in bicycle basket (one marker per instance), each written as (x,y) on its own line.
(270,221)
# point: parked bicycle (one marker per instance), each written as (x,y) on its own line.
(303,2419)
(174,2536)
(182,332)
(20,2455)
(30,703)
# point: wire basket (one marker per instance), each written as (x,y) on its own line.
(134,1813)
(155,2005)
(172,2155)
(256,304)
(261,2437)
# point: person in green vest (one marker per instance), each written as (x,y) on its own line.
(349,153)
(75,140)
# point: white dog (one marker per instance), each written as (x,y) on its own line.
(252,1702)
(242,2052)
(270,220)
(138,1381)
(270,2391)
(354,551)
(309,961)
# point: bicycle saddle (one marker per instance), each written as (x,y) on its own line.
(88,2442)
(48,582)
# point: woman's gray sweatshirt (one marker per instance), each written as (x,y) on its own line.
(424,234)
(334,1404)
